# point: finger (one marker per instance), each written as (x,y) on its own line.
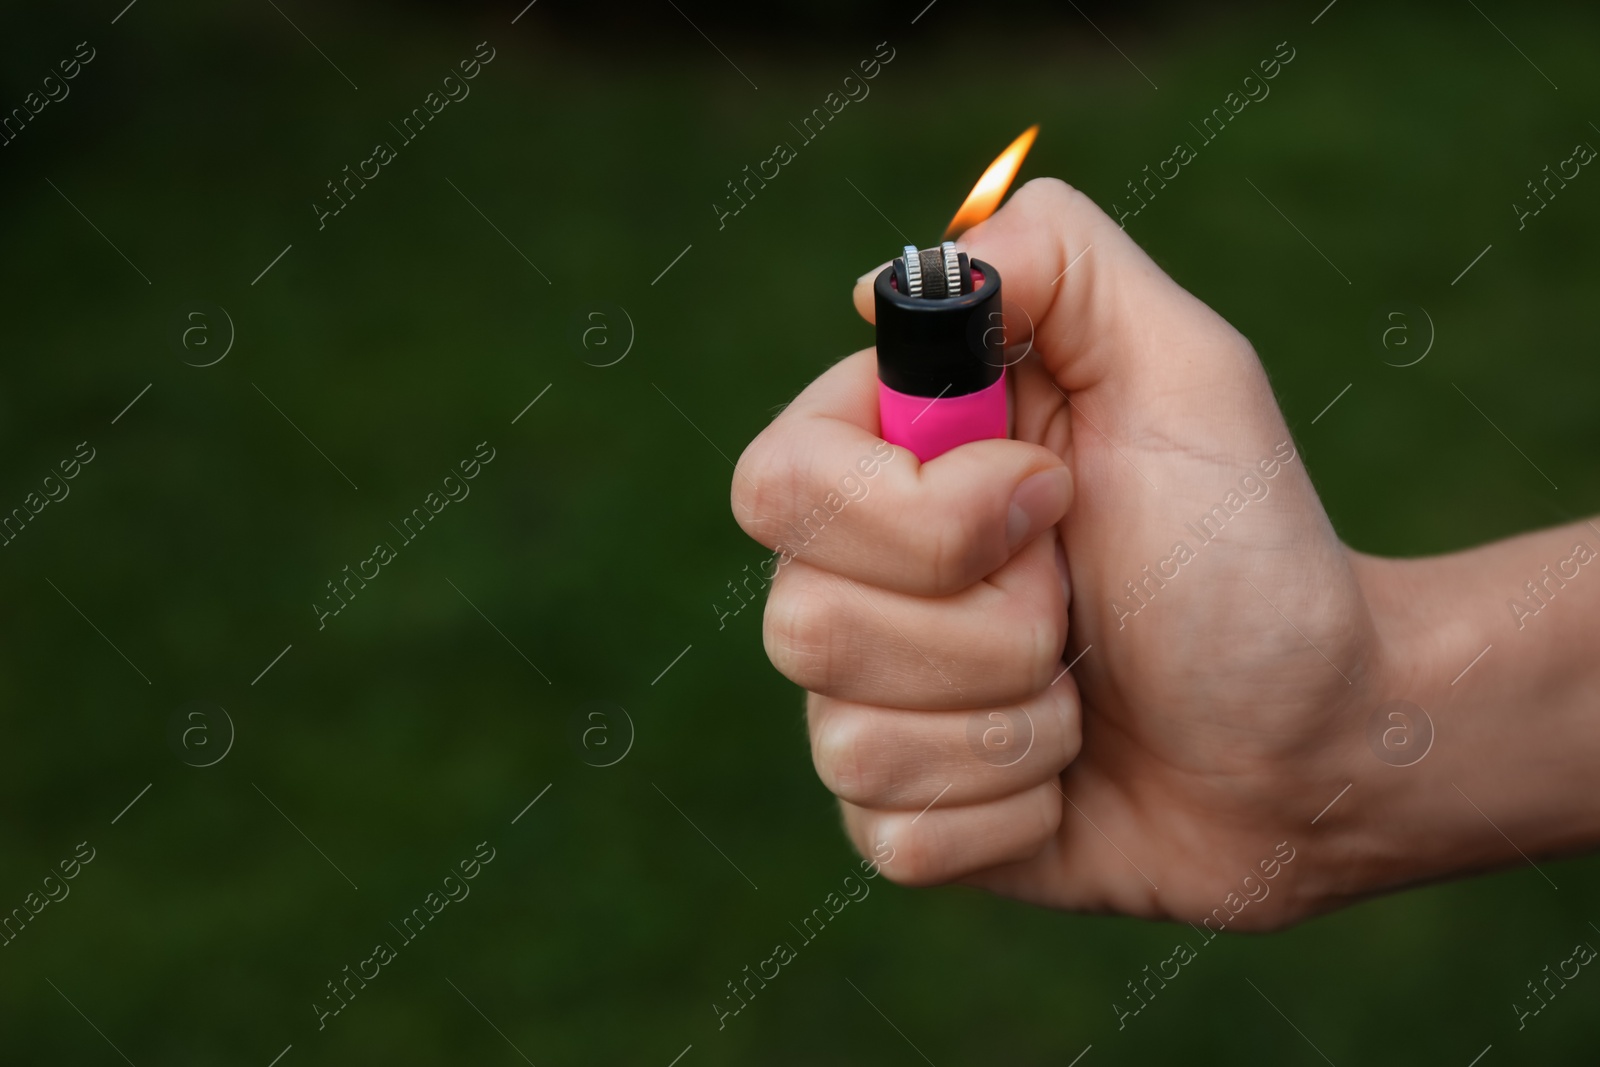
(941,844)
(820,485)
(892,758)
(994,643)
(1102,857)
(862,295)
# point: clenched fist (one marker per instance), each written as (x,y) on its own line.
(1152,524)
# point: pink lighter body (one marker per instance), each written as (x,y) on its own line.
(933,426)
(941,351)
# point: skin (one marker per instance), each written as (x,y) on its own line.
(1199,740)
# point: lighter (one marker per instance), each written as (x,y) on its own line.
(941,336)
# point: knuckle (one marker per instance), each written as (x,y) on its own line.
(763,485)
(1050,193)
(799,630)
(864,831)
(745,495)
(917,859)
(850,758)
(1062,206)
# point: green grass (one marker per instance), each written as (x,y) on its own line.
(598,540)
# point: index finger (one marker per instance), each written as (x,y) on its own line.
(820,484)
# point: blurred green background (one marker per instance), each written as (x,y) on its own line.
(593,550)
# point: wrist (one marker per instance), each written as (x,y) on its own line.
(1388,827)
(1488,761)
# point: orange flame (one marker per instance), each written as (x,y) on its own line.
(991,188)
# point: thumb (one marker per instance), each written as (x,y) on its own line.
(1099,310)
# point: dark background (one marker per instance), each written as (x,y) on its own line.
(599,540)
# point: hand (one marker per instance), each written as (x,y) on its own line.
(1223,639)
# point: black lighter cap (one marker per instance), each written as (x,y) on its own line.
(944,346)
